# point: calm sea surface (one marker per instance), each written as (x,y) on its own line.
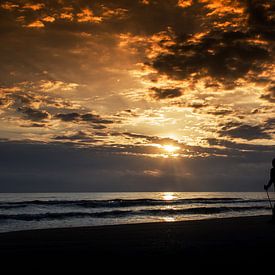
(54,210)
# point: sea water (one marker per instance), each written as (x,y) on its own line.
(56,210)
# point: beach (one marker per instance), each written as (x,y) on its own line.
(241,241)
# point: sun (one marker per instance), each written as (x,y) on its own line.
(170,148)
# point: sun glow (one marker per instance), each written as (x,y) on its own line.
(168,196)
(170,148)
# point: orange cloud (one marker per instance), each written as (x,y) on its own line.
(36,24)
(185,3)
(67,16)
(119,12)
(8,6)
(221,7)
(66,13)
(34,7)
(48,19)
(87,16)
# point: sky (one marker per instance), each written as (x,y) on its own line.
(136,95)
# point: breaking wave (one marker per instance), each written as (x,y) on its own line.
(125,213)
(123,202)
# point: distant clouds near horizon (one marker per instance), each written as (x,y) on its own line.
(100,88)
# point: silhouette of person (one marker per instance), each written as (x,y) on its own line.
(271,180)
(272,176)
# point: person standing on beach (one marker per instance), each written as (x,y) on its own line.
(271,180)
(272,176)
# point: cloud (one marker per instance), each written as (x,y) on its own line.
(39,103)
(237,149)
(219,110)
(36,24)
(34,7)
(36,125)
(95,119)
(9,6)
(86,15)
(224,56)
(150,139)
(270,125)
(77,136)
(83,117)
(165,93)
(269,95)
(56,86)
(68,117)
(64,168)
(244,131)
(34,114)
(261,18)
(185,3)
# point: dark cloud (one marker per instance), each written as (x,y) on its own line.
(236,149)
(223,53)
(269,94)
(98,126)
(244,131)
(95,119)
(270,125)
(51,168)
(56,45)
(165,93)
(224,56)
(261,17)
(84,117)
(68,116)
(36,125)
(78,136)
(135,135)
(54,49)
(34,114)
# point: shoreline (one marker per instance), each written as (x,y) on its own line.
(129,224)
(240,241)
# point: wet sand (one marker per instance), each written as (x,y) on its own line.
(233,242)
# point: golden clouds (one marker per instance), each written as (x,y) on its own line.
(36,24)
(48,19)
(86,15)
(9,6)
(34,14)
(223,7)
(104,13)
(66,13)
(119,13)
(152,46)
(185,3)
(99,70)
(39,23)
(34,7)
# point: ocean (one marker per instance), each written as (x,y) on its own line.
(56,210)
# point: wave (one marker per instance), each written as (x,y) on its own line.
(125,213)
(123,202)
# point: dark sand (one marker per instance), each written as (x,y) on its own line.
(248,242)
